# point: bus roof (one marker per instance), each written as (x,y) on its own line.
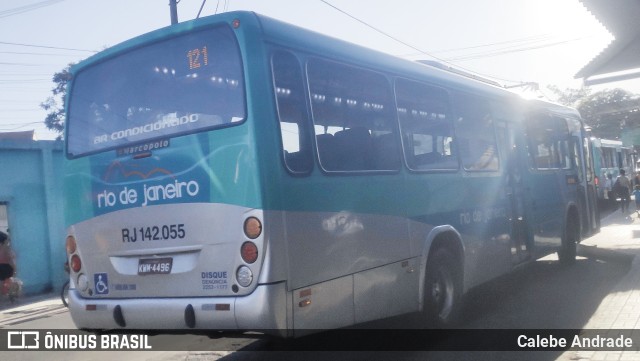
(294,37)
(555,108)
(610,142)
(291,36)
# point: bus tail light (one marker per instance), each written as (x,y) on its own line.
(244,276)
(76,263)
(71,244)
(252,227)
(249,252)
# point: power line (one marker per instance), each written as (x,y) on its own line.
(19,64)
(411,46)
(510,50)
(398,40)
(16,101)
(30,53)
(14,124)
(24,74)
(27,8)
(19,127)
(19,110)
(516,42)
(46,47)
(201,7)
(379,31)
(23,81)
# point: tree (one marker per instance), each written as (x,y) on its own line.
(609,113)
(570,97)
(54,105)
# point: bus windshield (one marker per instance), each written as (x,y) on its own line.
(173,87)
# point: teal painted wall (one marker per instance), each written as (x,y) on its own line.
(31,188)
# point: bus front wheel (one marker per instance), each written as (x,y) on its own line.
(443,289)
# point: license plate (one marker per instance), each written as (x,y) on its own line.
(153,266)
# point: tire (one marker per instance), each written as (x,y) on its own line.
(568,249)
(442,290)
(15,289)
(64,294)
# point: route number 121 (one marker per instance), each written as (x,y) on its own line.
(198,57)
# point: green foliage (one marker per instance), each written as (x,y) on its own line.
(54,105)
(609,113)
(570,97)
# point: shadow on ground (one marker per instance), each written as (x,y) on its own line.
(542,295)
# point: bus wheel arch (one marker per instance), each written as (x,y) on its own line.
(443,281)
(571,236)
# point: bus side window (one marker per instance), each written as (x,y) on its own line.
(425,122)
(292,112)
(548,142)
(475,132)
(353,118)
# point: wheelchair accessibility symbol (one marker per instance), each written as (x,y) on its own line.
(102,283)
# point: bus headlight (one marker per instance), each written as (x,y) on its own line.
(244,276)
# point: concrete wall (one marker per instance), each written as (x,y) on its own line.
(31,190)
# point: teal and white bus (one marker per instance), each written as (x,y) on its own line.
(239,173)
(609,156)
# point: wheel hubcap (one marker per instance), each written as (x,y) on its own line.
(442,294)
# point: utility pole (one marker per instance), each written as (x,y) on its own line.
(173,8)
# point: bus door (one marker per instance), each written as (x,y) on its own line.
(550,182)
(515,192)
(587,192)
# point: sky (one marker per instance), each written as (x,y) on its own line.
(510,41)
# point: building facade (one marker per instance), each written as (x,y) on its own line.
(31,210)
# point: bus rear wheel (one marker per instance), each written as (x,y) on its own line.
(443,289)
(568,249)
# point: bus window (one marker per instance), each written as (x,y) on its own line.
(292,112)
(609,158)
(588,151)
(353,116)
(177,86)
(548,142)
(425,122)
(475,133)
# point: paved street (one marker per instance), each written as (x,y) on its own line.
(600,292)
(620,309)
